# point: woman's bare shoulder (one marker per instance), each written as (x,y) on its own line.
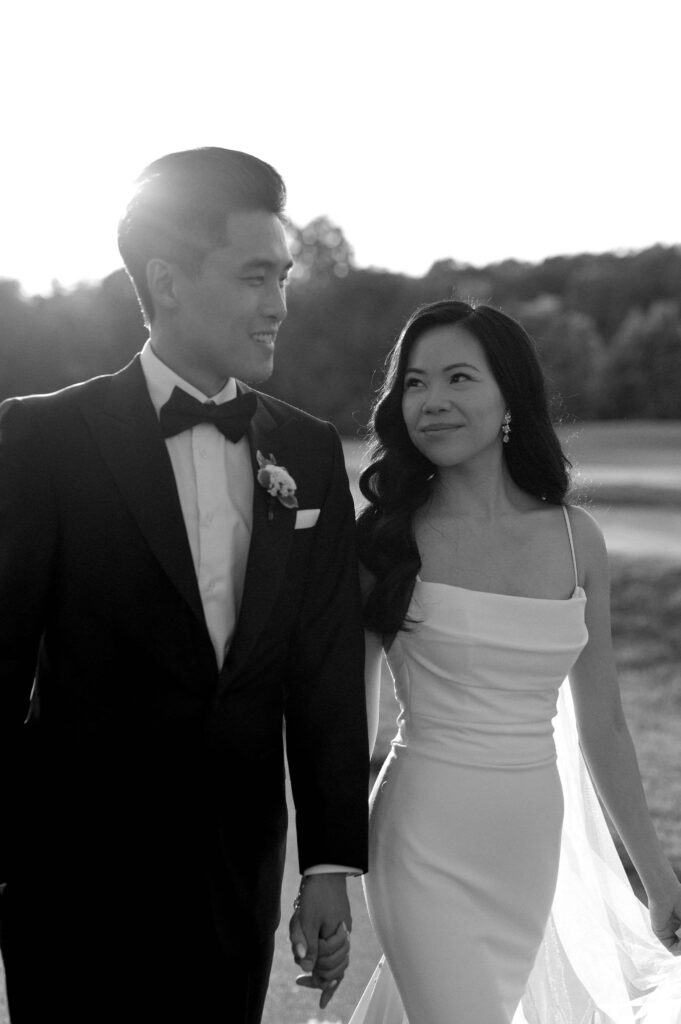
(588,537)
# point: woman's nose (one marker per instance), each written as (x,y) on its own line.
(435,399)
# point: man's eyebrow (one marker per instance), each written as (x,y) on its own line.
(261,263)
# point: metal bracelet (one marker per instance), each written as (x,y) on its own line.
(296,902)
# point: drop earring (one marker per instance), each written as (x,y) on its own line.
(506,427)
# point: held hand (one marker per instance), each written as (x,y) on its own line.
(665,918)
(333,957)
(319,932)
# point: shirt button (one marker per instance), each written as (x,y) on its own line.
(203,453)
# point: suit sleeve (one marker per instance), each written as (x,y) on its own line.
(326,730)
(27,540)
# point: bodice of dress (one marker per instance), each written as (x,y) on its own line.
(477,675)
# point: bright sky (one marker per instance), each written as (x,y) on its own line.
(477,130)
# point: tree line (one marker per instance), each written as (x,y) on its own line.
(607,328)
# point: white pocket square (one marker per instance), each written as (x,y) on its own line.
(306,517)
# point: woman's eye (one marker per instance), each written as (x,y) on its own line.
(456,378)
(411,382)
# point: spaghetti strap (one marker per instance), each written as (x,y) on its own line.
(572,543)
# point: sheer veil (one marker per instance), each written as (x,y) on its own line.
(599,962)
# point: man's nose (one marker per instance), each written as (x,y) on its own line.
(274,303)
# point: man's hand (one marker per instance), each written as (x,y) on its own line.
(319,932)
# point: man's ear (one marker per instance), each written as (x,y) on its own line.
(161,283)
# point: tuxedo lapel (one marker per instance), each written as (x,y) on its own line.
(125,428)
(271,537)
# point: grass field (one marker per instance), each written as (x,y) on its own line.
(631,476)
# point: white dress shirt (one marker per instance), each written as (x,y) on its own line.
(214,479)
(215,486)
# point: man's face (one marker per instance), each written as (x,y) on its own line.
(228,317)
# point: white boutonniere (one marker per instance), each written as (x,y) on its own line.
(277,481)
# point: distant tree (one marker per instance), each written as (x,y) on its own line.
(550,277)
(334,342)
(450,279)
(48,342)
(14,318)
(571,352)
(511,280)
(597,287)
(343,320)
(608,285)
(652,275)
(643,365)
(320,251)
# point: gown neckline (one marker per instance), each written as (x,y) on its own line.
(577,594)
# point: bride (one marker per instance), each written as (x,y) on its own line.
(493,885)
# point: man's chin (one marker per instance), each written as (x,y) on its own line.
(258,375)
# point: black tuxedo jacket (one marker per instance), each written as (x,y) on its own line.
(139,767)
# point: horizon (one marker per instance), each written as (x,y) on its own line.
(57,286)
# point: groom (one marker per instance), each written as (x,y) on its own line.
(177,575)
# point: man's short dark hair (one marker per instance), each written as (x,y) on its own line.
(180,206)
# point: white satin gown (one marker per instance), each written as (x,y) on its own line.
(467,811)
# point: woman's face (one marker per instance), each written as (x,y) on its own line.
(451,403)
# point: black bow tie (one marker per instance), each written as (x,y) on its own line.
(182,412)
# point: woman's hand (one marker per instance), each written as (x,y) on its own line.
(665,918)
(320,932)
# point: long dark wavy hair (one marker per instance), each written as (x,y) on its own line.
(398,479)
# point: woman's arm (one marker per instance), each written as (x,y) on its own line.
(373,658)
(606,743)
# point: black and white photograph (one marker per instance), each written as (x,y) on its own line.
(340,513)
